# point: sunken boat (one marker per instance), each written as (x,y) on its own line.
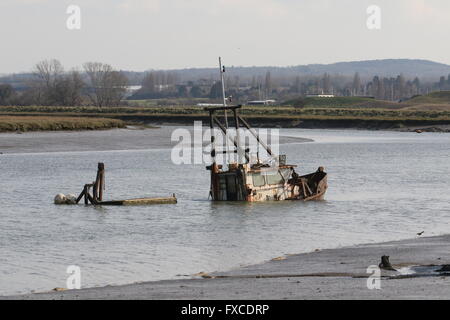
(258,181)
(255,181)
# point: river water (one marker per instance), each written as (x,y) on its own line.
(382,186)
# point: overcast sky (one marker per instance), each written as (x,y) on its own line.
(167,34)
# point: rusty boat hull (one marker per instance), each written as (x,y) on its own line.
(243,183)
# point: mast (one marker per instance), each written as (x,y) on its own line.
(222,71)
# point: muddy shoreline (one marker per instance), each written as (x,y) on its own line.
(132,138)
(408,125)
(265,122)
(324,274)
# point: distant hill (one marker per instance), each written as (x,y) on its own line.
(424,69)
(390,67)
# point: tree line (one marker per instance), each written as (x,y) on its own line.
(99,84)
(165,85)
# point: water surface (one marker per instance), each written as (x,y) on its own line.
(383,186)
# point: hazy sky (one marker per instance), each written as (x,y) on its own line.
(167,34)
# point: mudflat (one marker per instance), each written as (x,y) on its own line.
(327,274)
(132,138)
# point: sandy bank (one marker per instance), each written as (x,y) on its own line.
(328,274)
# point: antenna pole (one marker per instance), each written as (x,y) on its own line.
(222,71)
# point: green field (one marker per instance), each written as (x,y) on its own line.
(440,97)
(342,102)
(433,101)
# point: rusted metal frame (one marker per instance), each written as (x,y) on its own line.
(316,196)
(238,139)
(213,137)
(305,195)
(214,188)
(307,187)
(269,151)
(224,130)
(281,167)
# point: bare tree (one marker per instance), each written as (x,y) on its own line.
(149,83)
(107,87)
(356,86)
(7,94)
(268,84)
(46,73)
(326,83)
(68,89)
(49,71)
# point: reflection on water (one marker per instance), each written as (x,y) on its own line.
(383,186)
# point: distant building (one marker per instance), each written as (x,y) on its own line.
(131,90)
(163,87)
(261,102)
(320,96)
(209,105)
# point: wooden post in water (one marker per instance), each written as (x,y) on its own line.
(86,191)
(98,187)
(100,182)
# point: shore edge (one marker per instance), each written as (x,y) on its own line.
(326,274)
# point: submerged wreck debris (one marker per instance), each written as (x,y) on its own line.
(386,264)
(244,181)
(444,268)
(204,275)
(65,199)
(98,186)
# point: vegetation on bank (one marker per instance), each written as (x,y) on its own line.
(342,102)
(166,102)
(275,113)
(430,109)
(248,111)
(438,97)
(43,123)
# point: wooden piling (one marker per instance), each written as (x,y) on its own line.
(101,180)
(86,191)
(97,194)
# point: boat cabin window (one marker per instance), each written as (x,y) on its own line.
(274,178)
(286,173)
(258,179)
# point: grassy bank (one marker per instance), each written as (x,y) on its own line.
(338,112)
(275,112)
(343,102)
(270,111)
(47,123)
